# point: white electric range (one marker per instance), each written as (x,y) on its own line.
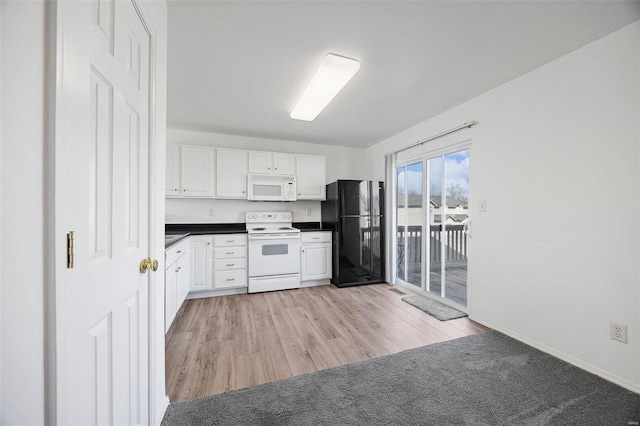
(274,251)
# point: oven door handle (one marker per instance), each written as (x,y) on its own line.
(274,237)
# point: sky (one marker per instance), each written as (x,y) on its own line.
(456,169)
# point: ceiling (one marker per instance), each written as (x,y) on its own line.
(239,67)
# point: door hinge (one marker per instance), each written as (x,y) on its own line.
(71,249)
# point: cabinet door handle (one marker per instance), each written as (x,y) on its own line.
(179,251)
(231,264)
(179,267)
(316,238)
(231,279)
(229,241)
(231,252)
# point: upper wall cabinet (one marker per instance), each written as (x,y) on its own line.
(200,171)
(231,173)
(172,179)
(198,166)
(277,163)
(190,171)
(311,177)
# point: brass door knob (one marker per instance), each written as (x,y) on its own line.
(146,264)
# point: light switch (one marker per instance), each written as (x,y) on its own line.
(482,205)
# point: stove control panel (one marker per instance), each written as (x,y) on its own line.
(266,217)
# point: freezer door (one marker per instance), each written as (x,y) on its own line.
(354,197)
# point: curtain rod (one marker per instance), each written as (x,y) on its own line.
(439,135)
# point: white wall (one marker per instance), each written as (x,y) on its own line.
(555,155)
(22,218)
(342,163)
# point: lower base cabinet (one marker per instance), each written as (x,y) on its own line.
(176,279)
(315,256)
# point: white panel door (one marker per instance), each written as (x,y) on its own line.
(102,193)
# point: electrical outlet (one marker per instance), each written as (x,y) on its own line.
(618,332)
(212,212)
(308,212)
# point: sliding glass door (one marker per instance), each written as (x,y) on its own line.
(410,220)
(432,222)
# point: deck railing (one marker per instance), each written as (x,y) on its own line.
(454,238)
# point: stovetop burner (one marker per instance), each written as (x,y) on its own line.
(270,222)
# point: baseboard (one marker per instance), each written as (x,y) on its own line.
(215,293)
(314,283)
(162,410)
(634,387)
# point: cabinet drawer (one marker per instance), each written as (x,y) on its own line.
(233,278)
(230,240)
(226,264)
(174,253)
(315,237)
(228,252)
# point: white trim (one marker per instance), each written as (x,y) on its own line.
(154,322)
(159,415)
(558,354)
(215,293)
(1,196)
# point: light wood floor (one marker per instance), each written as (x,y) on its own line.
(224,343)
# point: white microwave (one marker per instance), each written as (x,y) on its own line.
(271,188)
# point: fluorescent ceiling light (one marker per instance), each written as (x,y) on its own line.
(332,75)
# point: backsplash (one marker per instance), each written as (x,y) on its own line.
(191,210)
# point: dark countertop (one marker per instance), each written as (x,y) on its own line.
(205,228)
(309,226)
(175,232)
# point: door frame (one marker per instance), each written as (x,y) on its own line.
(447,144)
(55,237)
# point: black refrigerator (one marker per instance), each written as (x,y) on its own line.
(353,212)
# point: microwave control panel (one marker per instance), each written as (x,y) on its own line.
(290,191)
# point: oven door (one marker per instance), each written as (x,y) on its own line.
(274,254)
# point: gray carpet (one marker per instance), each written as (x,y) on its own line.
(434,308)
(485,379)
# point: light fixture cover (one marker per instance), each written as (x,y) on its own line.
(330,77)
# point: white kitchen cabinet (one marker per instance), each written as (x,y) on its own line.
(201,254)
(176,276)
(197,171)
(315,256)
(229,261)
(231,173)
(276,163)
(311,177)
(284,164)
(172,178)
